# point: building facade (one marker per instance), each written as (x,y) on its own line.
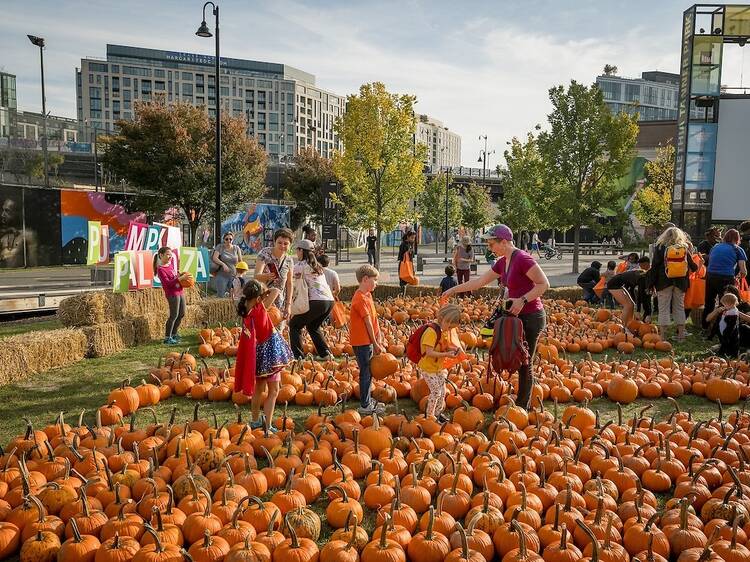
(285,111)
(30,126)
(653,96)
(8,104)
(443,145)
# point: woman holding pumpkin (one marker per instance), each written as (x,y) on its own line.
(171,283)
(525,283)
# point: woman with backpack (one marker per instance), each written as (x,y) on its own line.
(671,265)
(525,283)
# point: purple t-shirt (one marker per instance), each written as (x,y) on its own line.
(516,279)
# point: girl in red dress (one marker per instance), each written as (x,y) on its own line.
(262,353)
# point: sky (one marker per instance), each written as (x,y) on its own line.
(480,67)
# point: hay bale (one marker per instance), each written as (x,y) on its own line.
(218,311)
(109,338)
(193,295)
(194,316)
(36,352)
(145,301)
(86,309)
(571,294)
(149,327)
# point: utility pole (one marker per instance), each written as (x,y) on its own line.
(39,42)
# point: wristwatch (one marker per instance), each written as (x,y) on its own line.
(525,300)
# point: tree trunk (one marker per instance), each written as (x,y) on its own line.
(576,242)
(193,231)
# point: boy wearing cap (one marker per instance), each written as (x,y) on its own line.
(525,283)
(238,281)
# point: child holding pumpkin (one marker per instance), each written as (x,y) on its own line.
(171,283)
(262,352)
(436,348)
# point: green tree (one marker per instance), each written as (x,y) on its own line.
(303,183)
(476,207)
(585,151)
(167,152)
(431,206)
(523,204)
(380,168)
(652,205)
(35,166)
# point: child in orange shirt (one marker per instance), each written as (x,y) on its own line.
(365,337)
(434,354)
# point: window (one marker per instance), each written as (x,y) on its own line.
(146,86)
(96,103)
(158,73)
(224,91)
(187,75)
(187,89)
(632,92)
(135,71)
(95,92)
(199,78)
(126,95)
(199,89)
(126,82)
(200,101)
(115,106)
(116,68)
(237,105)
(159,86)
(96,114)
(265,84)
(115,84)
(98,67)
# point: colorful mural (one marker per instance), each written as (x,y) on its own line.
(251,225)
(77,208)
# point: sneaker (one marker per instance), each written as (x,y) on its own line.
(256,424)
(272,429)
(365,411)
(177,339)
(442,418)
(167,341)
(378,407)
(173,341)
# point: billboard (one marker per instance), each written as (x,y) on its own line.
(730,198)
(252,225)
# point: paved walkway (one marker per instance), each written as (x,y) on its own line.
(55,278)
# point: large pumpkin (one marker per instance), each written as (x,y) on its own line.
(187,280)
(383,365)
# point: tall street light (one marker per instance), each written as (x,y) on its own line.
(447,186)
(39,42)
(203,31)
(483,159)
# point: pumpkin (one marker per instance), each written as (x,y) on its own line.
(383,365)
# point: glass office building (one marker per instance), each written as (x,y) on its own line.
(653,96)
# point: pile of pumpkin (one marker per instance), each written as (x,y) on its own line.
(218,341)
(518,487)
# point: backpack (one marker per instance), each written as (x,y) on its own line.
(414,345)
(675,261)
(509,350)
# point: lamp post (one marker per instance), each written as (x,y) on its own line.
(447,186)
(483,159)
(39,42)
(203,31)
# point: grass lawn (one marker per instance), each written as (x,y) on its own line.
(14,327)
(85,385)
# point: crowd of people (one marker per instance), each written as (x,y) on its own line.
(304,290)
(713,274)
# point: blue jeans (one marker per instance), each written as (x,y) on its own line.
(363,353)
(588,292)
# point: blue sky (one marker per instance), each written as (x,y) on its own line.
(481,67)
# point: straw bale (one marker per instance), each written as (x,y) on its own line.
(193,295)
(109,338)
(36,352)
(194,316)
(149,327)
(86,309)
(145,301)
(218,311)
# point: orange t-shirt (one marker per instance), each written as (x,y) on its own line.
(362,307)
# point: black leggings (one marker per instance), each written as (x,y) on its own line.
(533,325)
(312,320)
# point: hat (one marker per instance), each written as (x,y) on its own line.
(466,240)
(498,232)
(305,245)
(241,265)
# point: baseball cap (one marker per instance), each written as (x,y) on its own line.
(305,245)
(242,265)
(498,232)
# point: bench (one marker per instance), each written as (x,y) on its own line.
(590,248)
(422,259)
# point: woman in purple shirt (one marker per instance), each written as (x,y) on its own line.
(525,283)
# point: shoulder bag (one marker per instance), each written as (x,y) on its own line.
(300,296)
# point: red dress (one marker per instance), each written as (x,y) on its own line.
(256,328)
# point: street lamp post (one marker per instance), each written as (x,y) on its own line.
(39,42)
(483,159)
(447,186)
(203,31)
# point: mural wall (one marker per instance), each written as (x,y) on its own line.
(41,227)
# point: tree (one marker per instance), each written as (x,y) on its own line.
(380,167)
(303,183)
(431,206)
(610,70)
(652,205)
(35,166)
(585,151)
(476,207)
(523,204)
(167,152)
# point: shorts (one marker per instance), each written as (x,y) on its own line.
(271,357)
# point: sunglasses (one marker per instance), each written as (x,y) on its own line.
(228,238)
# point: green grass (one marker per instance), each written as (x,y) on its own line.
(14,327)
